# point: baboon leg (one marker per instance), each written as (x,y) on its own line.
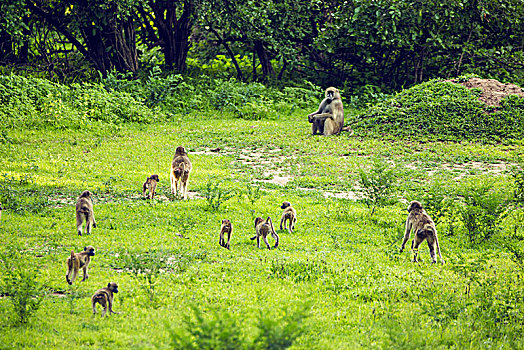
(73,277)
(266,242)
(68,274)
(406,235)
(258,242)
(105,308)
(329,127)
(431,245)
(290,229)
(283,220)
(228,239)
(185,187)
(414,246)
(221,239)
(79,222)
(172,179)
(94,308)
(294,223)
(88,225)
(85,273)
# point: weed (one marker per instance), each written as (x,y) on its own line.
(215,194)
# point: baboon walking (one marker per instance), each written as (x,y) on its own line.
(84,211)
(265,228)
(424,229)
(180,168)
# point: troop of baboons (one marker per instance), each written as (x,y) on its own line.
(327,120)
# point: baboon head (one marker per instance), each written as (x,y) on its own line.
(113,287)
(85,194)
(285,205)
(414,205)
(90,250)
(155,177)
(258,220)
(332,93)
(180,151)
(226,222)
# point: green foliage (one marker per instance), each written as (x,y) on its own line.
(21,195)
(19,282)
(38,103)
(252,192)
(377,185)
(298,271)
(482,209)
(215,194)
(446,111)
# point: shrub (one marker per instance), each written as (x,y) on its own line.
(444,110)
(20,284)
(378,184)
(216,195)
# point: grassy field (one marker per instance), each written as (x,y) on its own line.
(337,282)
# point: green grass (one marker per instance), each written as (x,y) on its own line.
(337,282)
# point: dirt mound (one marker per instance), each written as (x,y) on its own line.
(493,91)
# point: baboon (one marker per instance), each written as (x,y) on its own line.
(104,297)
(77,261)
(264,228)
(289,214)
(424,229)
(227,227)
(84,210)
(151,185)
(180,168)
(329,118)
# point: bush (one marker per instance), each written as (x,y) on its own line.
(378,184)
(20,284)
(215,195)
(482,209)
(444,110)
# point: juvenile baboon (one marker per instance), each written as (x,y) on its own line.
(289,214)
(151,185)
(77,261)
(226,227)
(329,118)
(84,211)
(264,228)
(104,297)
(180,168)
(424,229)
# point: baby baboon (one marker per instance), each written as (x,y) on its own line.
(329,118)
(264,228)
(289,214)
(227,227)
(104,297)
(151,185)
(77,261)
(84,211)
(180,168)
(424,229)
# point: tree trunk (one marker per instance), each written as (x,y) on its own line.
(267,68)
(174,32)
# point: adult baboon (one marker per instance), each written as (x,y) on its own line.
(84,211)
(329,118)
(180,168)
(424,229)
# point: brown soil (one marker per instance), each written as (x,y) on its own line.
(493,91)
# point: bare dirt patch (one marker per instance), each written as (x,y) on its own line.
(493,91)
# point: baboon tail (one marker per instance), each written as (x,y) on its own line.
(438,245)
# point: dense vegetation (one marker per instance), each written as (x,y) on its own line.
(381,44)
(338,282)
(98,94)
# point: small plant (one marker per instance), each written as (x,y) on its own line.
(222,331)
(253,193)
(20,284)
(378,184)
(215,194)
